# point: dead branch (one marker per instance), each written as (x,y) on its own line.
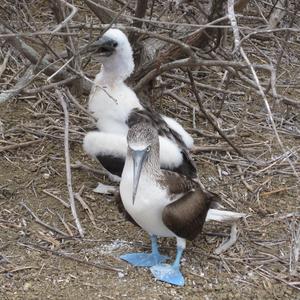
(64,22)
(140,12)
(39,221)
(33,56)
(62,102)
(49,86)
(85,206)
(232,18)
(65,204)
(104,15)
(80,165)
(295,247)
(66,256)
(277,14)
(20,85)
(45,66)
(4,64)
(208,117)
(20,145)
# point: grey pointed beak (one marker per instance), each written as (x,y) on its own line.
(105,46)
(138,157)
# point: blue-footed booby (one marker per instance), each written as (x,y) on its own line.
(116,108)
(163,203)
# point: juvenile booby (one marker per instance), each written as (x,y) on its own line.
(163,203)
(117,108)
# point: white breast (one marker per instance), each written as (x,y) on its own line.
(112,106)
(149,202)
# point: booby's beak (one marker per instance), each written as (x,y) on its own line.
(105,46)
(138,157)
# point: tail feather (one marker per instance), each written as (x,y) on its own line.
(223,215)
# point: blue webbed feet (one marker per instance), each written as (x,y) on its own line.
(144,259)
(168,273)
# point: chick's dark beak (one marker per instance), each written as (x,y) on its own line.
(105,46)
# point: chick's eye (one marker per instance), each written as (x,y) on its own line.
(148,148)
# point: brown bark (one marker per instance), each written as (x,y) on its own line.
(104,16)
(199,39)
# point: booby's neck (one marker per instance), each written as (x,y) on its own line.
(116,69)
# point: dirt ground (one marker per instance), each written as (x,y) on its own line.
(255,268)
(38,262)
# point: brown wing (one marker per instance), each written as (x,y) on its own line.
(176,183)
(122,209)
(186,216)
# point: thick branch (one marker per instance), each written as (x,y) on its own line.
(20,85)
(44,65)
(140,12)
(103,15)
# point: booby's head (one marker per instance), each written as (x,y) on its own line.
(143,147)
(115,52)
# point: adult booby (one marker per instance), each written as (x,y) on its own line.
(117,108)
(163,203)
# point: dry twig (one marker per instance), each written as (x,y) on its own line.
(62,102)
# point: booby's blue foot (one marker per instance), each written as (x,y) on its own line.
(144,259)
(171,273)
(168,273)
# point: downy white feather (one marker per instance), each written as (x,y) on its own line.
(111,100)
(173,124)
(97,143)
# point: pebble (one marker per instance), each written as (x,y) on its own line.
(26,286)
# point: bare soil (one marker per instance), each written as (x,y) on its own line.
(38,263)
(255,268)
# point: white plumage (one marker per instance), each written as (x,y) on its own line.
(187,139)
(111,105)
(151,200)
(111,102)
(103,143)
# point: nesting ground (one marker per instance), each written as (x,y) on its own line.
(38,263)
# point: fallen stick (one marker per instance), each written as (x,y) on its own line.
(61,100)
(63,255)
(39,221)
(20,145)
(209,118)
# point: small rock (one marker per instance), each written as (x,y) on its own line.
(27,286)
(46,175)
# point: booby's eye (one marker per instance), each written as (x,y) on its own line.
(115,44)
(148,149)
